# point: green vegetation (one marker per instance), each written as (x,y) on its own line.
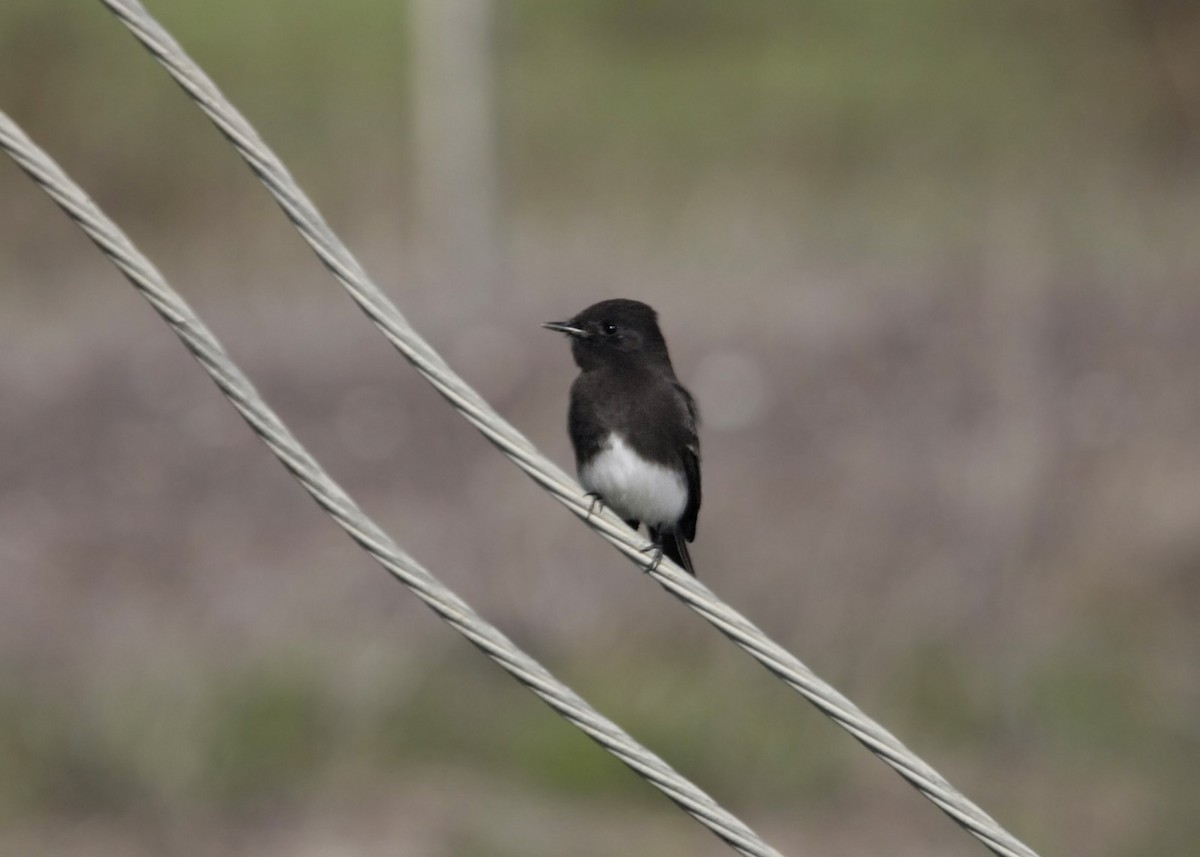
(272,733)
(846,104)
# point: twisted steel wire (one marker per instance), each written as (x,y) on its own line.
(329,495)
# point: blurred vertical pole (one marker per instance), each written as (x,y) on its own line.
(454,145)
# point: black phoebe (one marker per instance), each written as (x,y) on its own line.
(633,425)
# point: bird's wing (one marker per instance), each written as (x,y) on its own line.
(691,462)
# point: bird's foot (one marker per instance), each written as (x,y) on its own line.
(595,504)
(656,555)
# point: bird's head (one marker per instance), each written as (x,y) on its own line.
(614,332)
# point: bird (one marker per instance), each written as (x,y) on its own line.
(633,425)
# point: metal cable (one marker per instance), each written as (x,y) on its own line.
(211,355)
(334,254)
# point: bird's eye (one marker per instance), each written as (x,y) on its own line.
(610,329)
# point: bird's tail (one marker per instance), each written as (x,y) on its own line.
(674,545)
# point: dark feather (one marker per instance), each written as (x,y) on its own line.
(675,546)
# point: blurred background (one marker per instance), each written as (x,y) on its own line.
(930,269)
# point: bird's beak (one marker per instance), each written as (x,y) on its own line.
(567,328)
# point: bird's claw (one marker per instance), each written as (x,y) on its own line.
(656,555)
(595,504)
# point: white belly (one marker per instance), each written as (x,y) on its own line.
(632,486)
